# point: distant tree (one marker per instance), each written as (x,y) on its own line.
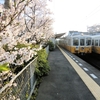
(94,28)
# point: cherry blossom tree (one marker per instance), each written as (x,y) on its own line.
(94,28)
(38,19)
(22,24)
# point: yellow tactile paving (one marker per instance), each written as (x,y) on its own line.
(90,83)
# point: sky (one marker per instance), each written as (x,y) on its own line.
(74,14)
(1,1)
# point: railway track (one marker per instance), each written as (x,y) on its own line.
(93,59)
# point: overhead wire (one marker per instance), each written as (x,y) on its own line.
(92,13)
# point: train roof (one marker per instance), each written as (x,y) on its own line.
(59,35)
(79,35)
(96,36)
(73,33)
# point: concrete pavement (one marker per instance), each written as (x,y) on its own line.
(62,83)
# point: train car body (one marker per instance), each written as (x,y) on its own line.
(77,43)
(96,44)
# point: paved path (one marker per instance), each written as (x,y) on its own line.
(62,83)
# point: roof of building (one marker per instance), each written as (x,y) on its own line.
(59,35)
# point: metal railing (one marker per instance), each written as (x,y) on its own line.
(47,49)
(22,85)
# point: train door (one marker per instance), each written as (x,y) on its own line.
(82,42)
(75,44)
(93,44)
(88,41)
(96,45)
(82,45)
(88,45)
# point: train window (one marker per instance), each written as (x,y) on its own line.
(96,42)
(88,41)
(75,41)
(82,42)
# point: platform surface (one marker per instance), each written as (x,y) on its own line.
(63,82)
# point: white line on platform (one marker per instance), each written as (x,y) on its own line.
(85,69)
(80,64)
(93,76)
(73,58)
(76,61)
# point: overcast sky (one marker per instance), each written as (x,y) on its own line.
(75,14)
(1,1)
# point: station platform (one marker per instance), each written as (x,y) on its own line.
(68,79)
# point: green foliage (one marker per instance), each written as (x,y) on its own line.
(5,47)
(0,38)
(45,45)
(35,93)
(35,46)
(4,67)
(51,46)
(43,67)
(19,45)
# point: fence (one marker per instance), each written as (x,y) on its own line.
(22,85)
(47,49)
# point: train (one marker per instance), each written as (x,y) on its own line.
(77,42)
(96,43)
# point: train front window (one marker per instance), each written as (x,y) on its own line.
(88,41)
(96,42)
(82,42)
(75,41)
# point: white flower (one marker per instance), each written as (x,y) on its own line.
(14,84)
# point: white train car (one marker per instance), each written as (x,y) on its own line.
(77,43)
(96,43)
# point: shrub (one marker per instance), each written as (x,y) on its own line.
(51,46)
(42,68)
(20,45)
(4,67)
